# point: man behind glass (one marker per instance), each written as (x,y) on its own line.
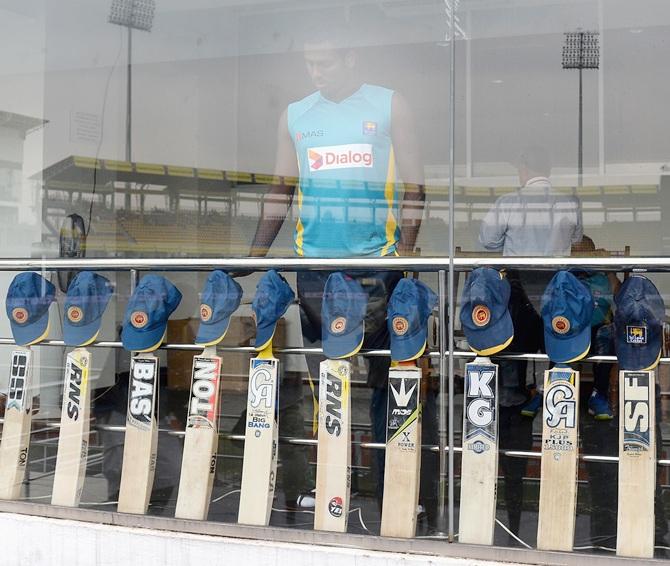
(346,143)
(535,220)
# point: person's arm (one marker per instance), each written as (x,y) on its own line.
(493,228)
(277,200)
(410,170)
(578,232)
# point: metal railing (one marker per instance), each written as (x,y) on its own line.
(425,264)
(445,353)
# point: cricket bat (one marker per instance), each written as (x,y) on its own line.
(558,475)
(403,451)
(141,439)
(637,464)
(74,430)
(479,455)
(198,465)
(333,466)
(16,428)
(259,468)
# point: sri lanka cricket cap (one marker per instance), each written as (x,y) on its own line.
(147,313)
(342,316)
(638,324)
(87,298)
(485,316)
(409,307)
(567,309)
(28,299)
(272,299)
(219,300)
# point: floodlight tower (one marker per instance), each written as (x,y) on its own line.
(132,14)
(581,50)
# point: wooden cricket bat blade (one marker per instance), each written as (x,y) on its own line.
(479,456)
(259,468)
(201,439)
(16,429)
(403,453)
(558,485)
(74,431)
(333,469)
(141,440)
(637,464)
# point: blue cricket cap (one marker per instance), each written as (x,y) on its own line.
(87,298)
(638,324)
(485,316)
(28,299)
(147,313)
(409,307)
(342,316)
(272,299)
(567,310)
(219,300)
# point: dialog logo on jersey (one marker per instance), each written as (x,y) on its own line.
(347,156)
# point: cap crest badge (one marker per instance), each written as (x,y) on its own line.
(400,325)
(139,319)
(20,315)
(205,312)
(481,315)
(338,325)
(560,324)
(636,334)
(75,314)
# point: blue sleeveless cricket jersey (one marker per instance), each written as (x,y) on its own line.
(347,198)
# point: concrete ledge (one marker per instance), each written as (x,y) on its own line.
(37,535)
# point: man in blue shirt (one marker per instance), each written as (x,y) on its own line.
(346,144)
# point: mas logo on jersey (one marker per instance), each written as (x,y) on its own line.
(347,156)
(369,128)
(636,334)
(309,134)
